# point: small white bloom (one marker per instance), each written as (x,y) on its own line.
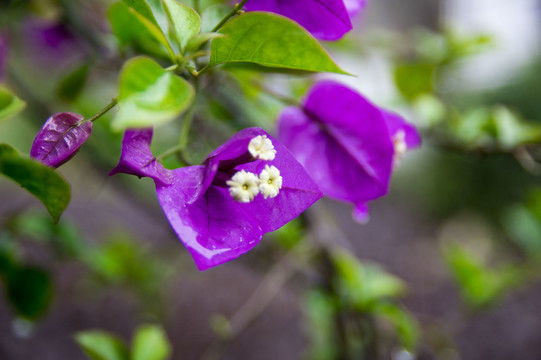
(243,186)
(400,147)
(270,181)
(261,147)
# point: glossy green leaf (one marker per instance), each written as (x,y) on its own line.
(40,180)
(100,345)
(144,14)
(272,41)
(150,343)
(72,85)
(149,95)
(131,31)
(184,21)
(10,104)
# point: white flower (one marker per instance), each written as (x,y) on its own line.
(261,147)
(243,186)
(270,181)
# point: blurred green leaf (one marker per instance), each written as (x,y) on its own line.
(130,31)
(405,324)
(525,230)
(479,285)
(100,345)
(150,343)
(149,95)
(272,41)
(144,15)
(364,285)
(197,41)
(320,312)
(72,85)
(10,104)
(41,181)
(512,131)
(290,234)
(30,291)
(414,79)
(431,110)
(183,20)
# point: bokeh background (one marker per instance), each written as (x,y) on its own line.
(458,237)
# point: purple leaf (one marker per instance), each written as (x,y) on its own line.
(60,138)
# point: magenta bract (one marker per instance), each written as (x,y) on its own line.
(325,19)
(60,138)
(344,143)
(199,201)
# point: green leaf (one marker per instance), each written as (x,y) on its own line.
(364,284)
(405,325)
(72,85)
(197,41)
(10,104)
(184,21)
(100,345)
(414,79)
(150,343)
(144,14)
(131,31)
(272,41)
(149,95)
(41,181)
(30,291)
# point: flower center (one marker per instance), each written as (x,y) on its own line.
(243,186)
(260,147)
(270,181)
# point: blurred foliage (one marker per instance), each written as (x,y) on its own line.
(149,343)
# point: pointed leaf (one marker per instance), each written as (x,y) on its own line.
(40,180)
(270,40)
(149,95)
(10,104)
(150,343)
(184,21)
(100,345)
(60,138)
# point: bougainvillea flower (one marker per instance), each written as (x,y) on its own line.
(60,138)
(346,144)
(219,210)
(325,19)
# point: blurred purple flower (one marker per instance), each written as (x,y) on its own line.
(51,43)
(325,19)
(219,210)
(60,138)
(347,145)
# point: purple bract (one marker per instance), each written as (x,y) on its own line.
(60,138)
(245,188)
(347,145)
(325,19)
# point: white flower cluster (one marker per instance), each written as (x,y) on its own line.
(400,147)
(244,185)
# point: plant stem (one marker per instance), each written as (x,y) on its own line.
(188,119)
(233,12)
(111,105)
